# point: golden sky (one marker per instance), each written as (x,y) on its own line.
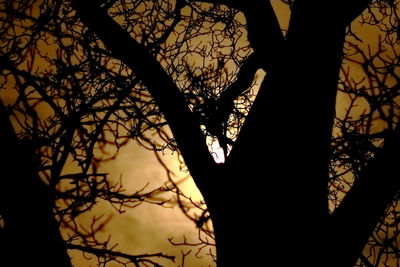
(146,228)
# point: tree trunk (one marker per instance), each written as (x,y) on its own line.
(268,201)
(30,236)
(280,161)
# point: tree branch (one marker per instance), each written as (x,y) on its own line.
(261,21)
(362,208)
(135,259)
(182,122)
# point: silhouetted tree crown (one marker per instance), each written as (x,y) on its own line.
(291,134)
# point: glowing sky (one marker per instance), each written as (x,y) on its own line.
(146,228)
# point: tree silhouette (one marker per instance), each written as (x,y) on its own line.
(304,180)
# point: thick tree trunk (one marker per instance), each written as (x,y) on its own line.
(271,208)
(274,212)
(30,236)
(290,127)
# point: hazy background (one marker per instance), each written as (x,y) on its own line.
(148,227)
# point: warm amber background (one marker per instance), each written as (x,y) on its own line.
(146,228)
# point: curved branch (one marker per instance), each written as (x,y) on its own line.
(182,122)
(261,22)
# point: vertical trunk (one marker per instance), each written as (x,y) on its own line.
(271,205)
(280,160)
(30,236)
(290,126)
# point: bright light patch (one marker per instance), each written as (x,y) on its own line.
(215,149)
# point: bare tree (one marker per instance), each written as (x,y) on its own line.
(301,181)
(67,98)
